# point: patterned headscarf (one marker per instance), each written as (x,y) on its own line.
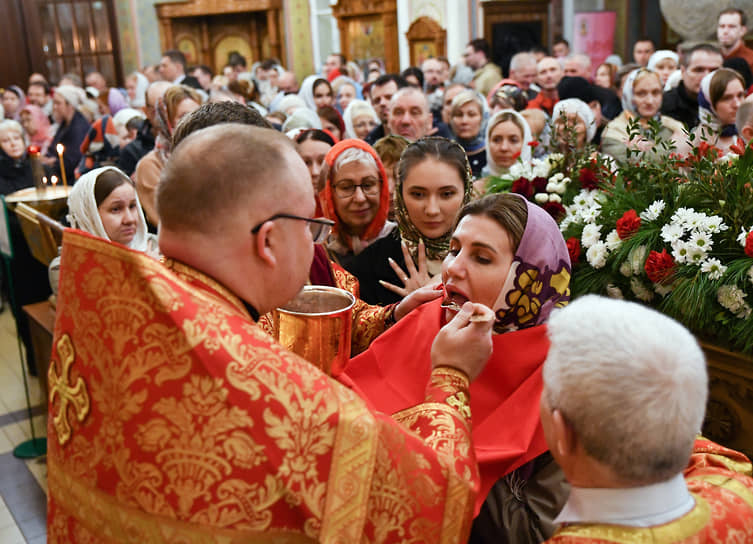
(525,151)
(436,248)
(627,90)
(539,277)
(327,197)
(84,213)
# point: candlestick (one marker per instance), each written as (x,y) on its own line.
(60,148)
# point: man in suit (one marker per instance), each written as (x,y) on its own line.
(172,67)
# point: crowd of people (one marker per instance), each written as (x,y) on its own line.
(471,407)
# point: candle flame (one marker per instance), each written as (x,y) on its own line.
(60,148)
(44,180)
(54,180)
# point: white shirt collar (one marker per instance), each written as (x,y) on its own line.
(178,79)
(644,506)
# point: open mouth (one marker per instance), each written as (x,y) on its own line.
(453,299)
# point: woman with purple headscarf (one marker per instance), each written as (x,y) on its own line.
(509,255)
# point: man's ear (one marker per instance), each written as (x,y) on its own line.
(565,439)
(265,243)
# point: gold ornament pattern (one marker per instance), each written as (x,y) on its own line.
(72,396)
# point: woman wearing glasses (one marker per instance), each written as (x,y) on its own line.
(509,255)
(433,183)
(356,197)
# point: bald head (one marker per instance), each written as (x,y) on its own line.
(218,172)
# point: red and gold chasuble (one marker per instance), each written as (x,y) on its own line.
(719,480)
(507,432)
(174,418)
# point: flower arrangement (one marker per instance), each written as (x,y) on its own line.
(675,234)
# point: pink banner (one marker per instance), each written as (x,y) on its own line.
(594,35)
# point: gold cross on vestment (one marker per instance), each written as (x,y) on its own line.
(74,396)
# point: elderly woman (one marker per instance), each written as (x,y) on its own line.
(178,101)
(467,114)
(360,119)
(37,127)
(722,92)
(72,129)
(641,100)
(574,125)
(508,255)
(355,195)
(433,183)
(103,202)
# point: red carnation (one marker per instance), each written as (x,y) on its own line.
(533,143)
(628,224)
(555,209)
(749,244)
(539,184)
(659,266)
(523,187)
(573,248)
(588,179)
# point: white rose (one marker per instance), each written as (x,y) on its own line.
(541,198)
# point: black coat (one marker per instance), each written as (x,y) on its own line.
(71,135)
(371,265)
(680,105)
(131,154)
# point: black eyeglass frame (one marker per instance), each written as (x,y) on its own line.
(317,220)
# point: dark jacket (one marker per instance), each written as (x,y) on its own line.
(14,174)
(371,265)
(71,135)
(131,154)
(680,105)
(375,134)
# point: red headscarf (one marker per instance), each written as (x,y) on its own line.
(327,197)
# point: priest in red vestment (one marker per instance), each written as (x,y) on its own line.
(175,418)
(624,397)
(508,254)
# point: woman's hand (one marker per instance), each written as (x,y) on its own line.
(422,295)
(414,278)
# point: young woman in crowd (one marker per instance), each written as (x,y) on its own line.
(606,75)
(103,202)
(508,139)
(433,183)
(177,101)
(355,195)
(316,92)
(509,255)
(642,94)
(664,63)
(136,85)
(37,126)
(360,119)
(467,115)
(13,100)
(313,145)
(574,124)
(722,92)
(332,121)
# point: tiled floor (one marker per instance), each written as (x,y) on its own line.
(23,483)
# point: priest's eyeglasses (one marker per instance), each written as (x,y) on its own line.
(319,226)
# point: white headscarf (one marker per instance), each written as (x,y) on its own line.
(579,108)
(84,214)
(661,55)
(73,95)
(141,84)
(354,109)
(289,101)
(525,151)
(302,118)
(307,91)
(627,89)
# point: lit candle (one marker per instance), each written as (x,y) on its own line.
(54,180)
(60,148)
(44,180)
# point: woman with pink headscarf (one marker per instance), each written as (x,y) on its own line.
(37,127)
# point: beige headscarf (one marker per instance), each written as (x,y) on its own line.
(83,213)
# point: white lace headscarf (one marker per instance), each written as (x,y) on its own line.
(83,212)
(356,108)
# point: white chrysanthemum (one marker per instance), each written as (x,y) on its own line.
(591,235)
(597,255)
(614,292)
(653,211)
(713,224)
(731,297)
(625,269)
(541,168)
(672,232)
(714,268)
(541,197)
(591,213)
(584,199)
(566,222)
(637,257)
(744,312)
(662,290)
(640,290)
(680,251)
(555,198)
(743,236)
(613,240)
(701,240)
(696,255)
(683,216)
